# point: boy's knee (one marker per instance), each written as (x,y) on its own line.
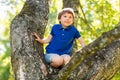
(56,61)
(66,59)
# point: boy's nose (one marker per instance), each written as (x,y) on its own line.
(67,18)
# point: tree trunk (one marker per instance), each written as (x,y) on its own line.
(74,4)
(26,53)
(97,61)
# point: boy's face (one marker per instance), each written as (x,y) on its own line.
(66,19)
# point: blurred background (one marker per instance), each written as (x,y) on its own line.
(101,15)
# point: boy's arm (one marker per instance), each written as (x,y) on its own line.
(43,41)
(81,41)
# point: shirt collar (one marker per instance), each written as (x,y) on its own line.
(69,27)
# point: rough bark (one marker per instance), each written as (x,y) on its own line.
(26,53)
(101,65)
(93,47)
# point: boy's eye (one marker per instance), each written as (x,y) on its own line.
(70,17)
(65,16)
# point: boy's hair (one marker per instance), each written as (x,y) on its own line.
(66,10)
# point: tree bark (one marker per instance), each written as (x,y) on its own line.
(26,53)
(97,61)
(92,48)
(101,65)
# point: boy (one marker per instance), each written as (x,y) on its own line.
(61,39)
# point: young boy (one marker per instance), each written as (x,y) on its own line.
(61,39)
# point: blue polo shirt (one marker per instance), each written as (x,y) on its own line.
(62,39)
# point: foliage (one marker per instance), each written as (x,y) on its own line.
(9,8)
(101,15)
(117,76)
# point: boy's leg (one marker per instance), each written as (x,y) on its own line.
(54,60)
(66,58)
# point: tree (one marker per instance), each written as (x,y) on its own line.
(25,52)
(93,62)
(101,60)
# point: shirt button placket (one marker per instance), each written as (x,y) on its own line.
(63,34)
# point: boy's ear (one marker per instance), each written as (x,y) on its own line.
(59,20)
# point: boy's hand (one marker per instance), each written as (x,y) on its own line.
(36,36)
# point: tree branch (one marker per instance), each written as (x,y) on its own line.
(85,19)
(102,64)
(99,43)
